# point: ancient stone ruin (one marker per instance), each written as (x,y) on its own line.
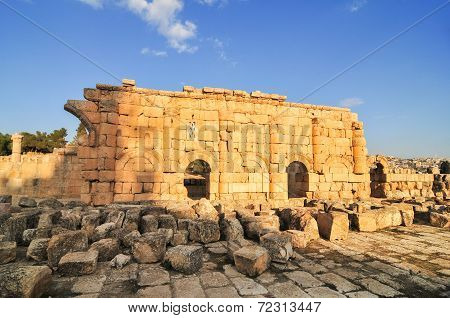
(229,193)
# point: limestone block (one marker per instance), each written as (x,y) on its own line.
(299,239)
(333,226)
(64,243)
(24,281)
(107,249)
(251,260)
(37,250)
(185,259)
(7,252)
(278,245)
(149,248)
(204,231)
(78,263)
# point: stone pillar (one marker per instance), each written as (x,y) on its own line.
(16,147)
(319,148)
(103,187)
(359,149)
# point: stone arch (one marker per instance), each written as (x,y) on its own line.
(75,108)
(308,162)
(197,179)
(333,162)
(129,160)
(210,158)
(298,179)
(261,164)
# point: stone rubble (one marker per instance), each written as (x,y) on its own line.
(254,246)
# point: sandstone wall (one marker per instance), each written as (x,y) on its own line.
(57,174)
(387,182)
(142,142)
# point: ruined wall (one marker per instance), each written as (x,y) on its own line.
(147,144)
(387,182)
(57,174)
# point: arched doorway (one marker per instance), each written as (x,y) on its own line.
(377,181)
(298,180)
(196,179)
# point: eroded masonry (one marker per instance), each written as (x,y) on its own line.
(147,144)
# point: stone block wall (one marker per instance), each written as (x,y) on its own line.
(147,144)
(38,175)
(387,182)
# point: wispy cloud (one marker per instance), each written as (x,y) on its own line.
(96,4)
(220,3)
(219,47)
(356,5)
(351,102)
(161,14)
(147,51)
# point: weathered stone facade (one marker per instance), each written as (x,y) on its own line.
(38,175)
(221,144)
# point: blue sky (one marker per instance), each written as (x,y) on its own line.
(290,47)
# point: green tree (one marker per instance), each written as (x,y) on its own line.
(81,132)
(5,144)
(43,142)
(445,167)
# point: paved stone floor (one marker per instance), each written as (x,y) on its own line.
(397,262)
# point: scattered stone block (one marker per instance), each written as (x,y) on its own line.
(129,239)
(24,281)
(183,224)
(5,208)
(231,229)
(233,246)
(252,260)
(6,198)
(181,210)
(26,202)
(204,231)
(7,252)
(205,210)
(299,239)
(333,225)
(149,223)
(180,238)
(149,248)
(132,219)
(50,203)
(167,221)
(119,261)
(29,235)
(365,222)
(103,231)
(60,245)
(37,250)
(90,222)
(184,258)
(441,220)
(168,233)
(278,245)
(78,263)
(107,249)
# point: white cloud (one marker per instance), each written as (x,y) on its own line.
(356,5)
(211,3)
(147,51)
(219,47)
(163,15)
(96,4)
(351,102)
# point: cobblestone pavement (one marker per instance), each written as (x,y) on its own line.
(398,262)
